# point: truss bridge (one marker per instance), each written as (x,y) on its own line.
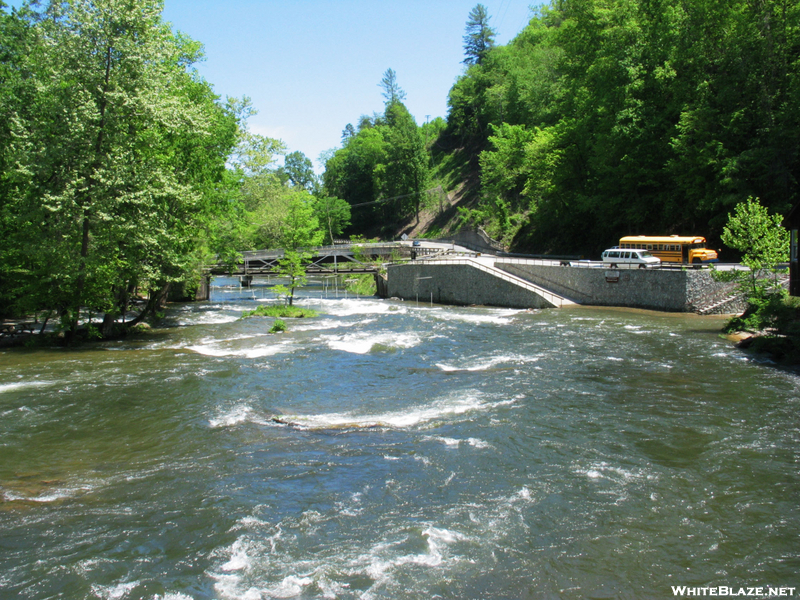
(339,258)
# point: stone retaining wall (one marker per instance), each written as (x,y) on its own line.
(457,284)
(656,289)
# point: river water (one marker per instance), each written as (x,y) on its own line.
(424,452)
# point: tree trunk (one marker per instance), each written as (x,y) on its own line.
(156,300)
(107,329)
(81,283)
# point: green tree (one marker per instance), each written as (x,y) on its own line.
(263,196)
(348,132)
(299,231)
(17,89)
(382,169)
(256,154)
(392,92)
(405,171)
(333,215)
(763,243)
(479,37)
(113,159)
(299,171)
(353,173)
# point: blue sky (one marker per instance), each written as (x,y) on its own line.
(313,66)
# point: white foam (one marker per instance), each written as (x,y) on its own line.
(637,329)
(207,318)
(9,387)
(503,317)
(251,568)
(236,415)
(452,442)
(227,586)
(380,562)
(362,343)
(350,307)
(455,443)
(484,364)
(411,417)
(353,507)
(321,325)
(603,470)
(113,592)
(249,522)
(50,496)
(254,352)
(290,587)
(245,556)
(239,558)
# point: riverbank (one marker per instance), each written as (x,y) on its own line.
(781,348)
(771,326)
(24,333)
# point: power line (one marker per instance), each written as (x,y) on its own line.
(499,10)
(382,200)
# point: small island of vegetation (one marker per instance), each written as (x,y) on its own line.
(284,311)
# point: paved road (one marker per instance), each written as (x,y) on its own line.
(491,259)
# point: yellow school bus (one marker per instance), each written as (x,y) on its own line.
(672,248)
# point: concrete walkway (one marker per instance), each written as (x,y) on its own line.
(467,279)
(486,263)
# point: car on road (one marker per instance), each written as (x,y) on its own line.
(618,256)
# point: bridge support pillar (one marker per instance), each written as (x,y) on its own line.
(381,285)
(246,280)
(203,289)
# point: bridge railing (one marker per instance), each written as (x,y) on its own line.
(320,250)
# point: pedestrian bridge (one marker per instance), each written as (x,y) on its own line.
(345,258)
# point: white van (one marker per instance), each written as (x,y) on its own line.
(617,256)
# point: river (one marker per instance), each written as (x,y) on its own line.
(423,452)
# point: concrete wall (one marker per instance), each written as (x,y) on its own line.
(457,284)
(655,289)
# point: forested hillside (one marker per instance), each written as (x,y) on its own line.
(382,166)
(604,118)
